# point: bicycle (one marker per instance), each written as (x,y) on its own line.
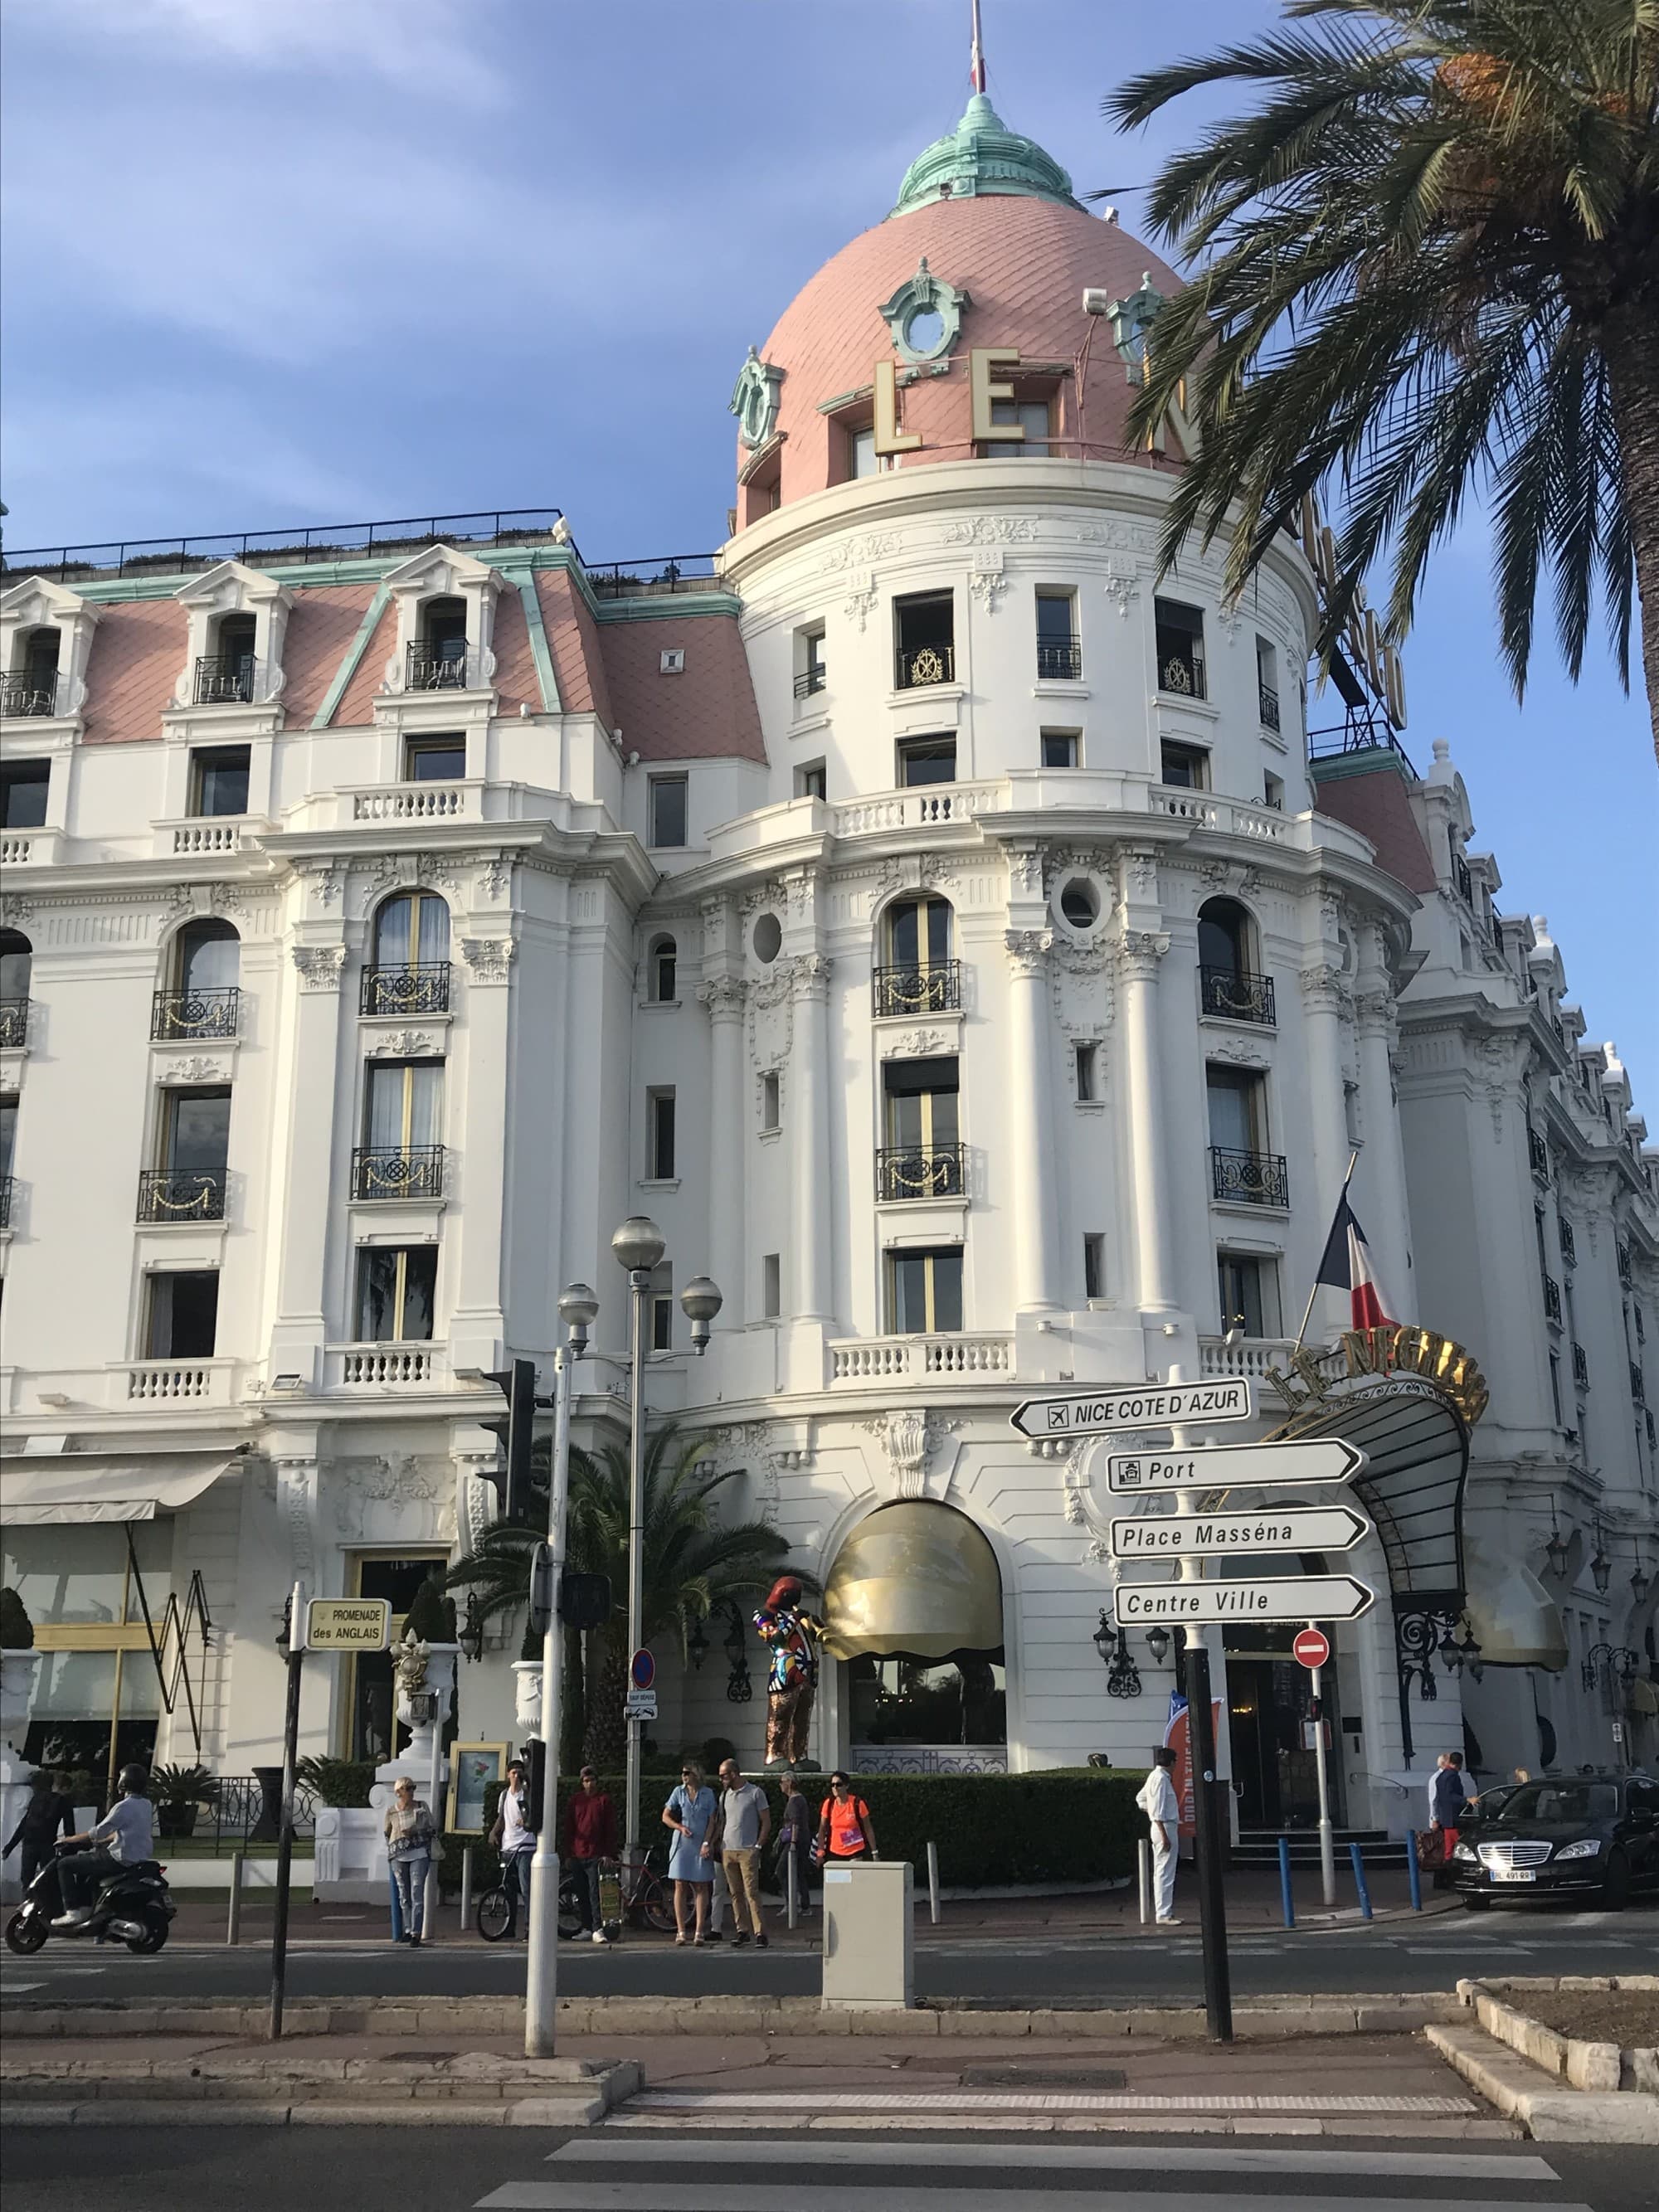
(645,1900)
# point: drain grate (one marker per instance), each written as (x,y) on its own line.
(1042,2077)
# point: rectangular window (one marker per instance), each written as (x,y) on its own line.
(1250,1294)
(1032,417)
(1555,1387)
(404,1105)
(660,1136)
(1060,749)
(182,1323)
(1186,767)
(1094,1265)
(924,1291)
(434,760)
(668,810)
(662,1306)
(771,1286)
(924,634)
(1273,792)
(23,794)
(862,459)
(812,781)
(1267,683)
(1059,653)
(922,1101)
(218,779)
(396,1288)
(926,760)
(195,1132)
(771,1102)
(1236,1101)
(810,675)
(1180,636)
(8,1130)
(1085,1063)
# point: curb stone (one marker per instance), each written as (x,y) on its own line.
(1510,2083)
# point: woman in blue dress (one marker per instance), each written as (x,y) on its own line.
(692,1812)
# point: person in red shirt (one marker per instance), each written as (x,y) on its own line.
(845,1831)
(590,1836)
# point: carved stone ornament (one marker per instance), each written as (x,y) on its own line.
(393,1499)
(320,965)
(406,1044)
(438,871)
(1121,584)
(375,878)
(759,895)
(1025,870)
(295,1483)
(495,878)
(15,912)
(1118,535)
(489,958)
(227,901)
(911,1439)
(915,1044)
(1322,989)
(920,296)
(1028,950)
(860,599)
(1140,873)
(724,997)
(1239,1051)
(858,551)
(325,883)
(810,976)
(992,530)
(198,1068)
(475,1500)
(986,581)
(754,399)
(1140,950)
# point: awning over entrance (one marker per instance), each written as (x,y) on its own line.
(1418,1452)
(1514,1619)
(915,1577)
(90,1486)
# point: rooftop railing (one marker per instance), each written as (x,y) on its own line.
(331,541)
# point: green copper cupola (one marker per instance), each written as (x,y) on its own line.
(982,155)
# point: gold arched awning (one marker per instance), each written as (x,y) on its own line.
(1515,1621)
(914,1577)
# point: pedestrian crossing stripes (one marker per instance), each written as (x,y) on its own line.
(1103,2158)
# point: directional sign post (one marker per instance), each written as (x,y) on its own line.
(1223,1467)
(1148,1405)
(1311,1649)
(1293,1597)
(1235,1535)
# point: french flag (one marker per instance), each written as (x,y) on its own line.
(1347,1265)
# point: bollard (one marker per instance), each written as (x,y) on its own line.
(233,1923)
(792,1886)
(1359,1881)
(430,1901)
(1144,1868)
(467,1888)
(1414,1871)
(933,1883)
(1286,1897)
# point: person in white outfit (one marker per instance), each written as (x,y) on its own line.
(1157,1800)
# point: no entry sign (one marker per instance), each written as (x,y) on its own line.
(1312,1647)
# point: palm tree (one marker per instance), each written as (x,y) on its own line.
(1427,263)
(691,1559)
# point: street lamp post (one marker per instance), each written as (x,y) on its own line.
(577,1309)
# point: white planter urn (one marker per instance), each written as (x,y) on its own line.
(415,1759)
(527,1697)
(18,1671)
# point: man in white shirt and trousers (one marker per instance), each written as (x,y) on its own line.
(1157,1800)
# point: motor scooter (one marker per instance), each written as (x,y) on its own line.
(133,1905)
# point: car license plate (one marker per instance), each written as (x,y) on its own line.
(1514,1873)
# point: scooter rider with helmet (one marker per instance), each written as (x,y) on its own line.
(125,1835)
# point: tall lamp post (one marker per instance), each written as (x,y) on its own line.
(577,1309)
(638,1245)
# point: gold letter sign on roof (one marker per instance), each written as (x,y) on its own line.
(889,438)
(981,361)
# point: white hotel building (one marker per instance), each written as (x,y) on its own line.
(926,915)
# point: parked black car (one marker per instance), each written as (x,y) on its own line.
(1594,1836)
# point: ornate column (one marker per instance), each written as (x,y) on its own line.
(810,1191)
(1139,953)
(1387,1215)
(1030,1119)
(1325,999)
(725,996)
(304,1202)
(476,1323)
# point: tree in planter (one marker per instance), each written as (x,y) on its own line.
(176,1793)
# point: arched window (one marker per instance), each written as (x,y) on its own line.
(438,660)
(202,998)
(1232,987)
(664,966)
(410,972)
(225,675)
(32,685)
(917,974)
(16,952)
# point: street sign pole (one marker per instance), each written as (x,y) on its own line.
(541,1996)
(1212,1901)
(1327,1834)
(297,1654)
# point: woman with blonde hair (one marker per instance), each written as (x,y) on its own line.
(692,1812)
(410,1829)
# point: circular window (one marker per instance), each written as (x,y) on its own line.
(924,332)
(1080,902)
(767,939)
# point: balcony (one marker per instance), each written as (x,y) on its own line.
(933,990)
(201,834)
(1538,1155)
(422,988)
(383,1366)
(810,681)
(916,667)
(1058,659)
(224,679)
(910,1171)
(1463,879)
(437,668)
(433,801)
(1569,1248)
(1251,1355)
(27,693)
(1234,994)
(182,1194)
(397,1172)
(176,1015)
(919,1359)
(177,1381)
(1580,1368)
(1551,1302)
(1249,1178)
(1639,1387)
(1231,817)
(919,806)
(5,1201)
(1267,706)
(14,1024)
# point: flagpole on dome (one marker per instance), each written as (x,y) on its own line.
(977,67)
(1342,1201)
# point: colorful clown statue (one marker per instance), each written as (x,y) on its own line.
(793,1636)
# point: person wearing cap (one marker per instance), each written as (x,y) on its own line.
(590,1838)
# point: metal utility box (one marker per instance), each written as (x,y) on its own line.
(868,1948)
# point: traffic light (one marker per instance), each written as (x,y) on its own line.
(535,1785)
(541,1591)
(517,1384)
(584,1599)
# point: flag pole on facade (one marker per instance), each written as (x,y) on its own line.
(1339,1222)
(977,66)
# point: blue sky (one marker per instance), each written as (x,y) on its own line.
(336,259)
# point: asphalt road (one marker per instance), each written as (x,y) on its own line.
(157,2169)
(1400,1954)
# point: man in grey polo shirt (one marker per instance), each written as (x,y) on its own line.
(746,1822)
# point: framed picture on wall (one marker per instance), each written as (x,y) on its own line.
(472,1768)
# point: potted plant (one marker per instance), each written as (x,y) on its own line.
(177,1793)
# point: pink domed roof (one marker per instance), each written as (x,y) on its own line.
(1024,262)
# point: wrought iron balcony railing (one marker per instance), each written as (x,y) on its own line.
(1538,1153)
(1236,995)
(1182,673)
(1647,1416)
(5,1201)
(421,988)
(922,1171)
(901,990)
(1268,699)
(437,667)
(1058,659)
(26,693)
(1569,1248)
(223,678)
(1551,1302)
(14,1023)
(916,666)
(811,679)
(1623,1265)
(397,1172)
(1463,879)
(1580,1368)
(194,1014)
(1638,1386)
(1249,1178)
(182,1194)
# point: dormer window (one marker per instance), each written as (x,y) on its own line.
(32,687)
(437,658)
(237,622)
(225,676)
(45,637)
(1032,417)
